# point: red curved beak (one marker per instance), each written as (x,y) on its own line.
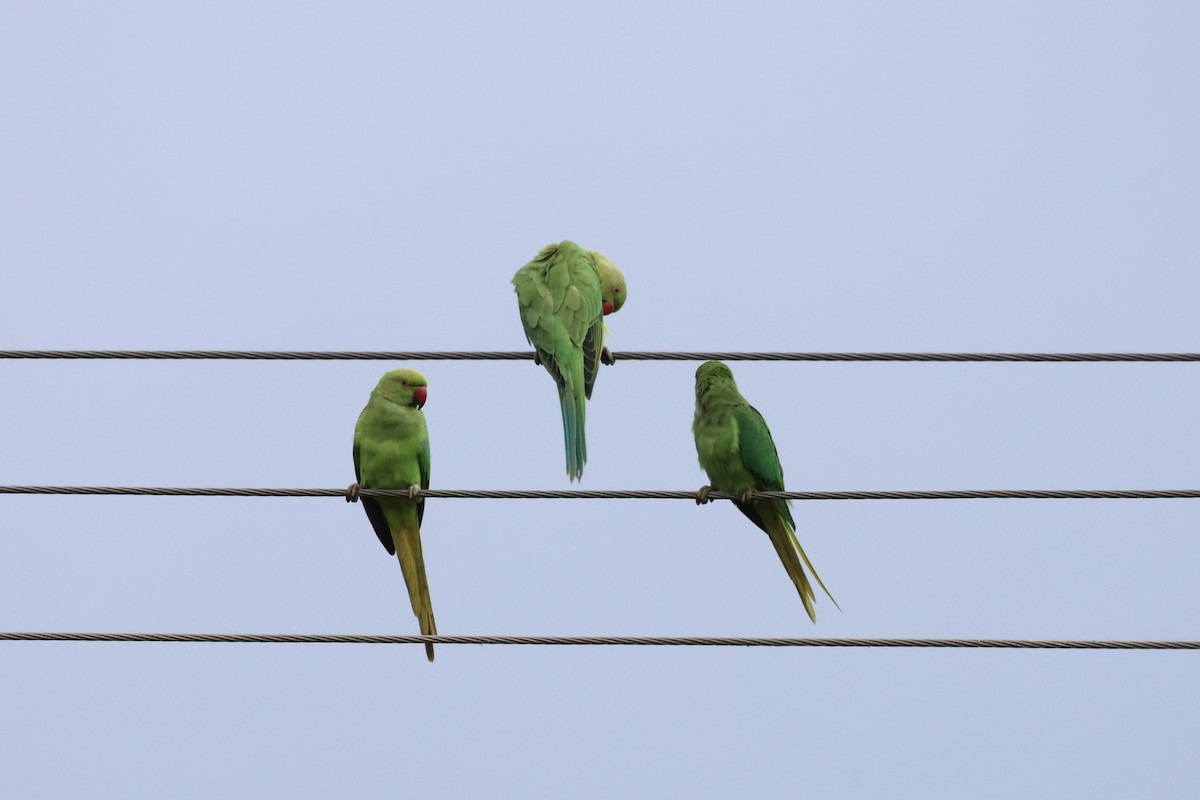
(419,394)
(607,308)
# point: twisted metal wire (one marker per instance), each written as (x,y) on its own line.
(590,641)
(619,494)
(524,355)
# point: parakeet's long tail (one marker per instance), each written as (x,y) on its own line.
(574,416)
(412,564)
(783,537)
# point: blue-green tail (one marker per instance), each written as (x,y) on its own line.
(574,414)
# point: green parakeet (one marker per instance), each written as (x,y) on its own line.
(736,450)
(391,451)
(563,295)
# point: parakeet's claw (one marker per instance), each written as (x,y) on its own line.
(352,493)
(748,496)
(414,492)
(537,358)
(702,495)
(607,357)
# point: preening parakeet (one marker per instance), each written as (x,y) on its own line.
(391,451)
(736,450)
(563,295)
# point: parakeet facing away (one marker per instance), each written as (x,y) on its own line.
(391,451)
(736,450)
(563,295)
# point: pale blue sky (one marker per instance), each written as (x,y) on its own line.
(855,176)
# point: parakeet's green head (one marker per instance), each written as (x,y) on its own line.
(612,283)
(405,387)
(714,375)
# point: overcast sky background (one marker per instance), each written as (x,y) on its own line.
(858,176)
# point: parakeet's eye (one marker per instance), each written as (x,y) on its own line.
(616,290)
(404,383)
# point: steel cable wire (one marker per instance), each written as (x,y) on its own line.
(620,641)
(525,355)
(617,494)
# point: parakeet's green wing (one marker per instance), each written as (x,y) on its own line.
(374,512)
(563,286)
(758,452)
(423,463)
(537,308)
(592,346)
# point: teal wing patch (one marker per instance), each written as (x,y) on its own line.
(592,346)
(760,457)
(757,449)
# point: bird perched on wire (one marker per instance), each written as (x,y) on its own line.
(563,294)
(736,450)
(391,451)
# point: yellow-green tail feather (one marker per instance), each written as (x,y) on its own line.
(788,548)
(412,564)
(803,555)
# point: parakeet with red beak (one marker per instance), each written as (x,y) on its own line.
(391,451)
(736,450)
(564,294)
